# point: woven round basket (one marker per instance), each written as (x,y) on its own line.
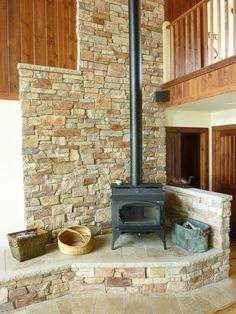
(76,240)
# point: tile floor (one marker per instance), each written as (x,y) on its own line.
(204,300)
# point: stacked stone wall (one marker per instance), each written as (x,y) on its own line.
(76,133)
(165,278)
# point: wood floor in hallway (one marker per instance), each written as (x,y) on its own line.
(233,262)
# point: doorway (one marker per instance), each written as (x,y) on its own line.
(187,155)
(224,166)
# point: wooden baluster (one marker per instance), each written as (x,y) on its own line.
(167,66)
(181,47)
(211,33)
(204,35)
(198,39)
(226,29)
(187,38)
(172,53)
(192,30)
(177,67)
(219,30)
(234,21)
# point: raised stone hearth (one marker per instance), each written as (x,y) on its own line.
(139,265)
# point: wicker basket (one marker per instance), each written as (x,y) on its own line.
(76,240)
(28,247)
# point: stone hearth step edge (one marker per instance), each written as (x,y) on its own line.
(52,281)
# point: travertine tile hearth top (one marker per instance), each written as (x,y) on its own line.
(132,250)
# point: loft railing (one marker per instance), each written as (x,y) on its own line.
(203,35)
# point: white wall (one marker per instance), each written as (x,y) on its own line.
(190,119)
(11,175)
(223,117)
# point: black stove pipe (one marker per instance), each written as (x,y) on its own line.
(135,91)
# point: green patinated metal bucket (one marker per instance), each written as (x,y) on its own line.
(195,241)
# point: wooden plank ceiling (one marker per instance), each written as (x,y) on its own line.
(41,32)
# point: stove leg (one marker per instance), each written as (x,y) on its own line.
(115,235)
(164,240)
(162,235)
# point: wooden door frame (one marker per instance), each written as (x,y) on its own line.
(214,132)
(204,152)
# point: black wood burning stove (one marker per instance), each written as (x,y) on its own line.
(137,207)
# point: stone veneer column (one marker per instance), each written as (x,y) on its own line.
(76,123)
